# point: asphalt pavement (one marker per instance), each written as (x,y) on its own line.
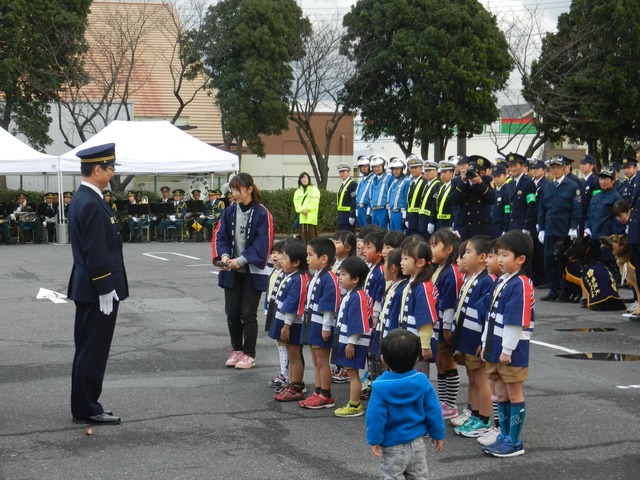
(186,416)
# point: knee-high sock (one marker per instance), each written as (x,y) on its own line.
(516,419)
(504,415)
(496,417)
(452,383)
(442,387)
(284,361)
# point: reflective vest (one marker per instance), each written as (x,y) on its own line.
(442,198)
(425,198)
(340,196)
(412,205)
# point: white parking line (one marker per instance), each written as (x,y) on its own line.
(556,347)
(169,253)
(625,387)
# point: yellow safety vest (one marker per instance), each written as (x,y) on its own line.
(412,208)
(340,196)
(425,198)
(441,202)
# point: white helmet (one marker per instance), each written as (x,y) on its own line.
(362,161)
(395,162)
(375,160)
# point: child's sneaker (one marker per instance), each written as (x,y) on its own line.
(291,394)
(476,429)
(365,393)
(317,401)
(350,410)
(461,418)
(489,437)
(233,358)
(277,381)
(507,448)
(340,376)
(245,361)
(448,411)
(465,426)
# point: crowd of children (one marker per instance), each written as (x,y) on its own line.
(466,304)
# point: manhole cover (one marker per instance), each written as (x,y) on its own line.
(586,329)
(602,356)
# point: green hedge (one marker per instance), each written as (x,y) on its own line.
(280,204)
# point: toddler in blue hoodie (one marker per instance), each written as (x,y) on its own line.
(403,408)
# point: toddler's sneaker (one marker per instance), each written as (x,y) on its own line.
(291,394)
(317,401)
(476,429)
(233,358)
(461,419)
(465,426)
(507,448)
(489,437)
(365,393)
(350,410)
(245,361)
(448,411)
(281,388)
(277,381)
(499,440)
(340,375)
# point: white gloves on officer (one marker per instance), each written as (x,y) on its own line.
(406,224)
(172,218)
(526,232)
(352,221)
(541,236)
(431,228)
(573,234)
(587,232)
(106,302)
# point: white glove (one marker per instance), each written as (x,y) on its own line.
(12,217)
(106,302)
(172,218)
(352,221)
(541,237)
(573,234)
(525,231)
(44,224)
(431,228)
(202,216)
(135,219)
(154,218)
(406,224)
(587,232)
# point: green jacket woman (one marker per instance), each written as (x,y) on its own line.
(306,201)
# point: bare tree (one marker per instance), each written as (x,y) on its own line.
(319,77)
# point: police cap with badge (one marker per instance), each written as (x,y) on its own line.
(178,191)
(445,165)
(513,158)
(414,161)
(588,159)
(342,167)
(628,161)
(607,171)
(98,155)
(430,165)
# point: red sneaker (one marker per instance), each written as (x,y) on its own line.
(291,394)
(317,401)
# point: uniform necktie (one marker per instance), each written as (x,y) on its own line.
(555,183)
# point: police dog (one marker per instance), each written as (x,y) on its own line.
(596,279)
(622,253)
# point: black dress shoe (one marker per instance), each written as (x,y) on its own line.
(101,419)
(563,300)
(549,298)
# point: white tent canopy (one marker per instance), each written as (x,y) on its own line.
(155,148)
(19,158)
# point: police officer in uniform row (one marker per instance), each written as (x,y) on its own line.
(362,190)
(473,194)
(431,188)
(346,199)
(414,193)
(520,207)
(559,215)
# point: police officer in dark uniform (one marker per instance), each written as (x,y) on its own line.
(568,169)
(47,212)
(617,184)
(414,195)
(498,219)
(630,169)
(538,170)
(346,199)
(589,184)
(430,192)
(520,207)
(559,215)
(97,285)
(473,195)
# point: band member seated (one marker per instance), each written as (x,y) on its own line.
(213,209)
(47,213)
(138,217)
(154,223)
(5,223)
(67,196)
(176,218)
(27,219)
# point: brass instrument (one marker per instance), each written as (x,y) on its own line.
(25,217)
(144,200)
